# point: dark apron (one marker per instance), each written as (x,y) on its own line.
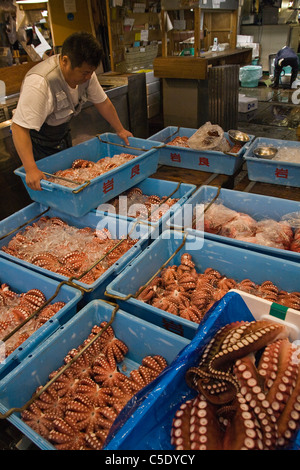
(50,139)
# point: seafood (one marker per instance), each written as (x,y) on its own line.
(223,221)
(16,308)
(245,400)
(78,409)
(135,203)
(182,291)
(52,244)
(84,170)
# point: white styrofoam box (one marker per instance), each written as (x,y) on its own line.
(247,104)
(262,309)
(242,39)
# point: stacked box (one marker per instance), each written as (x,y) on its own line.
(258,207)
(118,228)
(230,261)
(79,200)
(273,171)
(160,188)
(21,280)
(202,160)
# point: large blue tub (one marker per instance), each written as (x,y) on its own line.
(102,188)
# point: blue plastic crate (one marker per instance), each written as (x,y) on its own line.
(149,426)
(160,188)
(272,171)
(141,338)
(257,206)
(22,280)
(233,262)
(102,188)
(118,228)
(203,160)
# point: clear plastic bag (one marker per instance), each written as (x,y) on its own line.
(209,137)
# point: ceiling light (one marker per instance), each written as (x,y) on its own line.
(28,2)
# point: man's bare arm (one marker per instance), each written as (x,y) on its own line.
(109,113)
(23,145)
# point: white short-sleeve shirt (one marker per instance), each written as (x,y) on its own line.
(36,102)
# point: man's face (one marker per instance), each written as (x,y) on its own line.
(78,75)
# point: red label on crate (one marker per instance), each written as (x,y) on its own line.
(203,161)
(135,171)
(108,186)
(175,157)
(170,325)
(281,173)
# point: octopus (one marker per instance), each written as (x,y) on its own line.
(134,203)
(221,220)
(77,410)
(182,291)
(66,250)
(83,170)
(247,391)
(26,307)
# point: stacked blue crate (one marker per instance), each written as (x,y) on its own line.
(264,170)
(211,161)
(258,207)
(20,280)
(142,339)
(79,200)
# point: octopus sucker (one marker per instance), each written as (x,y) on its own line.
(268,331)
(242,429)
(190,429)
(279,389)
(289,420)
(254,395)
(252,390)
(180,436)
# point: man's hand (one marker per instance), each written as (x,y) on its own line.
(33,179)
(124,134)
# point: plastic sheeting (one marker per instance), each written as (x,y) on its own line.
(145,423)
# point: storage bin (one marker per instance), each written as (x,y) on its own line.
(161,188)
(118,228)
(149,427)
(202,160)
(256,206)
(20,280)
(250,76)
(141,338)
(272,171)
(100,189)
(233,262)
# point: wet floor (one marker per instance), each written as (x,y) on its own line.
(277,115)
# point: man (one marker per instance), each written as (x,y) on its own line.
(53,92)
(285,57)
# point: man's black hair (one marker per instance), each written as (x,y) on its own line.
(82,47)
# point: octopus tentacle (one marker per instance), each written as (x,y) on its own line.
(253,393)
(242,429)
(196,426)
(277,368)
